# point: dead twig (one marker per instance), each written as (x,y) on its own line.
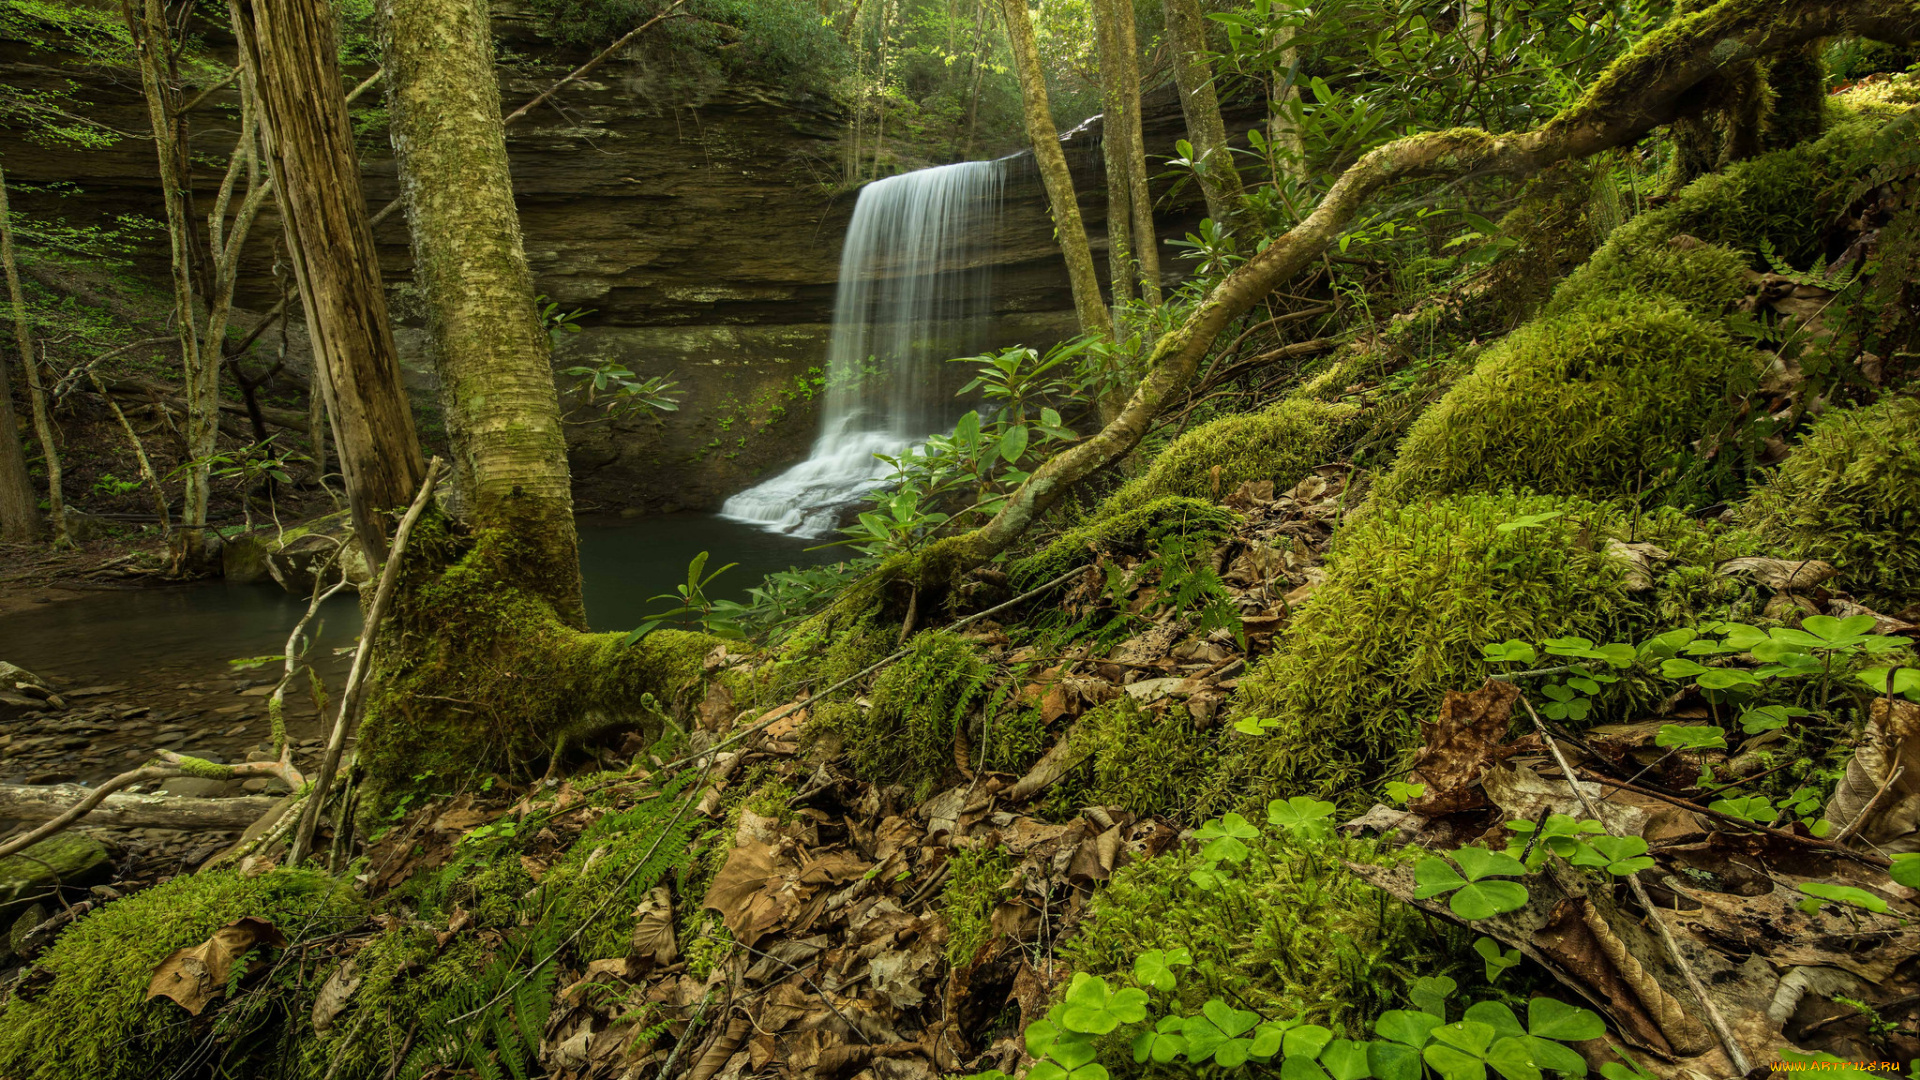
(1712,1011)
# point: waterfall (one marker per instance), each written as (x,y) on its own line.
(915,291)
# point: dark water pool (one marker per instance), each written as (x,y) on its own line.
(111,637)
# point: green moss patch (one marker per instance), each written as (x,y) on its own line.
(1145,762)
(1282,444)
(93,1019)
(976,877)
(1595,403)
(1132,531)
(918,704)
(1850,494)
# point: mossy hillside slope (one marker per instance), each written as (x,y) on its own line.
(1592,403)
(1412,594)
(1850,494)
(93,1019)
(1282,443)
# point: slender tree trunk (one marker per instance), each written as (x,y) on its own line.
(1122,270)
(494,357)
(147,19)
(1219,179)
(336,265)
(1053,171)
(19,508)
(42,408)
(1146,240)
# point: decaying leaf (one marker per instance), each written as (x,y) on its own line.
(1780,575)
(333,996)
(1883,780)
(1460,747)
(194,977)
(653,937)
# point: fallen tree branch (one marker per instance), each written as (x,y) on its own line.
(671,11)
(1714,1020)
(82,808)
(130,810)
(1646,88)
(352,698)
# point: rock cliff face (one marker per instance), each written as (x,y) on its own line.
(697,219)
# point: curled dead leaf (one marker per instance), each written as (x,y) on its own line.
(193,977)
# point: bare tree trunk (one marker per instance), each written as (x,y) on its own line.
(1146,240)
(1219,179)
(494,357)
(1289,153)
(147,20)
(19,509)
(1121,268)
(1053,171)
(336,265)
(23,338)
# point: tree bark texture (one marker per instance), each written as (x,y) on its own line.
(147,19)
(1122,271)
(1646,88)
(1146,241)
(493,355)
(1193,74)
(309,139)
(128,810)
(1053,171)
(19,510)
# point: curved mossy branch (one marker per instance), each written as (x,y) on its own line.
(1644,89)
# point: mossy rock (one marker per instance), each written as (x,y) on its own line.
(918,704)
(1412,594)
(1282,444)
(1132,531)
(70,860)
(1593,403)
(93,1019)
(1850,494)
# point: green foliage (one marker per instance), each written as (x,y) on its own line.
(975,880)
(612,866)
(1129,531)
(1850,494)
(496,1017)
(1594,403)
(1287,930)
(1148,763)
(1637,262)
(1411,594)
(1283,444)
(93,1019)
(918,704)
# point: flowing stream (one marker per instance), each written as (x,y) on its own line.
(916,284)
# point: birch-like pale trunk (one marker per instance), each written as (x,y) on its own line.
(1200,104)
(1122,270)
(1058,179)
(493,355)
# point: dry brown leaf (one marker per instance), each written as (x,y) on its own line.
(1460,747)
(1883,780)
(194,977)
(653,937)
(333,996)
(1780,575)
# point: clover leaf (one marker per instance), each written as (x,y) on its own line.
(1509,652)
(1622,855)
(1162,1044)
(1906,870)
(1304,816)
(1747,808)
(1094,1008)
(1155,967)
(1498,960)
(1404,1032)
(1906,680)
(1463,1050)
(1691,737)
(1225,836)
(1345,1059)
(1401,792)
(1472,896)
(1819,893)
(1769,718)
(1430,994)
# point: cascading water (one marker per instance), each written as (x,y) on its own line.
(915,291)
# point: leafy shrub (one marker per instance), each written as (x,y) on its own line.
(1850,494)
(1593,403)
(1283,444)
(94,1020)
(918,703)
(1411,594)
(776,40)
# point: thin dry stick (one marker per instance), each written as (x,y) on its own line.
(1714,1019)
(355,692)
(672,11)
(821,994)
(139,453)
(85,806)
(788,710)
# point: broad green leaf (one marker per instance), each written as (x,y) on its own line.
(1430,994)
(1498,960)
(1407,1027)
(1906,680)
(1819,891)
(1300,814)
(1013,444)
(1509,652)
(1072,1051)
(1496,1016)
(1550,1018)
(1233,1053)
(1624,854)
(1478,862)
(1301,1068)
(1513,1059)
(1231,1021)
(1040,1037)
(1548,1054)
(1155,968)
(1307,1040)
(1750,808)
(1267,1039)
(1906,870)
(1393,1061)
(1345,1059)
(1093,1007)
(1402,792)
(1691,737)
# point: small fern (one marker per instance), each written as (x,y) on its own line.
(495,1019)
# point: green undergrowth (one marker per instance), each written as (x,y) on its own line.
(1292,933)
(1282,443)
(918,703)
(976,879)
(1603,401)
(1131,531)
(612,866)
(1850,494)
(404,973)
(1412,593)
(93,1019)
(1142,761)
(478,674)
